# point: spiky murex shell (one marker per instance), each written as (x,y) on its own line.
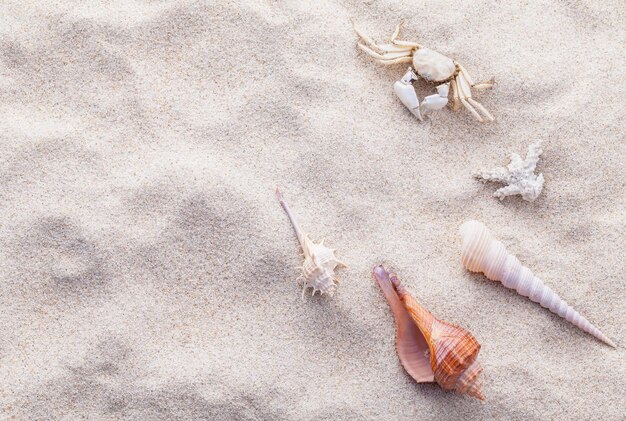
(318,269)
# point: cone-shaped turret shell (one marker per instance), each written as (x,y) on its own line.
(482,253)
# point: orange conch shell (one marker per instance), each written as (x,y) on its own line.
(431,349)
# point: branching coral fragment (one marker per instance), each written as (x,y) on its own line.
(519,175)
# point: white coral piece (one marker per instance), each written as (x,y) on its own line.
(519,175)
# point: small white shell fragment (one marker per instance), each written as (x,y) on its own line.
(519,175)
(432,65)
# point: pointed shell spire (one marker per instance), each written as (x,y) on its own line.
(320,262)
(482,253)
(430,349)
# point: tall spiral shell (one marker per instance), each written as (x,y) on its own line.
(482,253)
(430,349)
(320,262)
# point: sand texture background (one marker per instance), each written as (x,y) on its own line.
(148,272)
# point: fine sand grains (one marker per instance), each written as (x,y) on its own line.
(148,272)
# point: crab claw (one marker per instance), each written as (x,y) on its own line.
(437,101)
(406,92)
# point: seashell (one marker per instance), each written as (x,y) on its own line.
(320,262)
(430,349)
(482,253)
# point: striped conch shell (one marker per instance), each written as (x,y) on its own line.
(482,253)
(320,262)
(431,349)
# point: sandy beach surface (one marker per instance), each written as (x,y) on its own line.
(147,271)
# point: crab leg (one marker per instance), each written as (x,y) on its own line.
(472,110)
(484,85)
(367,40)
(392,48)
(403,43)
(388,58)
(395,45)
(481,108)
(481,85)
(467,76)
(384,55)
(396,61)
(456,103)
(408,44)
(465,87)
(396,32)
(381,49)
(388,48)
(463,94)
(468,96)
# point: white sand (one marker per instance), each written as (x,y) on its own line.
(147,270)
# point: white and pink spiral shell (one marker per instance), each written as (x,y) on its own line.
(482,253)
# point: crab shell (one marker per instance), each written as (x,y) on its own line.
(433,66)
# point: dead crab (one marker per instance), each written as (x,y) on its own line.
(432,67)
